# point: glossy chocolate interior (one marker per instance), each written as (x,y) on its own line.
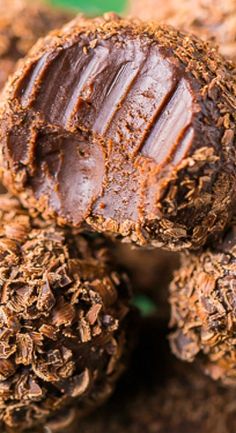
(113,112)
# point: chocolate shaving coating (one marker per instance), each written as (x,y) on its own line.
(202,297)
(63,310)
(22,23)
(209,19)
(126,126)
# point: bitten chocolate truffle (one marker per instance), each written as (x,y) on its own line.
(22,22)
(126,126)
(63,315)
(202,297)
(209,19)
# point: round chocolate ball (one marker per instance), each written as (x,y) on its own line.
(202,297)
(63,319)
(126,127)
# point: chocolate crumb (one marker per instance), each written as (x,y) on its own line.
(57,347)
(120,144)
(203,303)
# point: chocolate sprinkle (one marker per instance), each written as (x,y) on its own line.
(125,126)
(63,310)
(203,302)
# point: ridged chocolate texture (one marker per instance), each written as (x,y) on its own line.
(63,320)
(22,23)
(126,126)
(208,19)
(203,302)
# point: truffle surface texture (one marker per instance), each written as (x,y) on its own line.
(202,297)
(63,318)
(126,127)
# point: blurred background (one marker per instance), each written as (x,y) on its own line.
(92,7)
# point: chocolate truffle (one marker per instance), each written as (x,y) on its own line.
(202,297)
(209,19)
(167,397)
(127,127)
(22,22)
(63,315)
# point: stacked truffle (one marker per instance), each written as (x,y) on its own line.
(63,313)
(118,144)
(202,297)
(64,306)
(202,294)
(123,128)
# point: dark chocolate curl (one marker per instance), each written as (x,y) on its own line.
(126,127)
(63,320)
(203,302)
